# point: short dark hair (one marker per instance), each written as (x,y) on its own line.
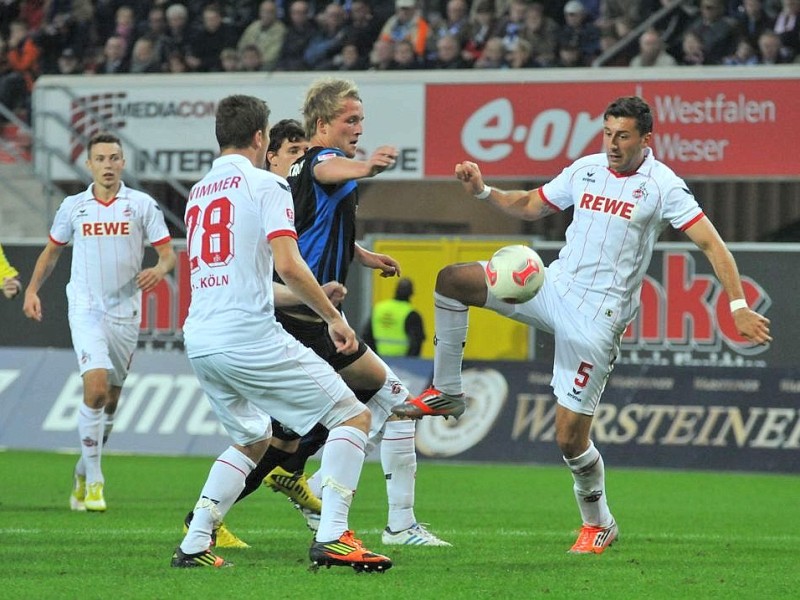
(285,129)
(102,137)
(239,117)
(634,107)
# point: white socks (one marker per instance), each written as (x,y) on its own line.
(224,484)
(399,462)
(90,432)
(80,466)
(590,488)
(451,319)
(342,460)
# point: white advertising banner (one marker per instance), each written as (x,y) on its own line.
(169,120)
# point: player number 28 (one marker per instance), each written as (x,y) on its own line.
(216,241)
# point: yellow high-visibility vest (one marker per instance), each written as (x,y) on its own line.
(388,327)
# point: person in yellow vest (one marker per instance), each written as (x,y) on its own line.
(395,328)
(11,284)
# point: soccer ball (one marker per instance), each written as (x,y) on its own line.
(514,274)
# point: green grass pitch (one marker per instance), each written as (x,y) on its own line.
(683,535)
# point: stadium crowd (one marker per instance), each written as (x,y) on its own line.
(99,37)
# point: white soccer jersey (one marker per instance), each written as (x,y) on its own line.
(616,222)
(108,247)
(231,215)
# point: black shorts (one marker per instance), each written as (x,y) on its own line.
(314,336)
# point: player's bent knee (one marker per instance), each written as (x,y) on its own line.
(348,412)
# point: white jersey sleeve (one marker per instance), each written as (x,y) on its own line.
(61,231)
(153,222)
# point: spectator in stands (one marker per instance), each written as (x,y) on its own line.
(176,62)
(155,29)
(493,55)
(693,52)
(300,30)
(651,52)
(511,25)
(238,14)
(22,55)
(55,35)
(176,40)
(482,23)
(206,44)
(716,30)
(362,28)
(144,58)
(251,59)
(541,32)
(327,42)
(114,59)
(745,54)
(125,26)
(12,85)
(456,23)
(349,59)
(752,20)
(230,60)
(620,16)
(382,56)
(579,31)
(69,63)
(407,24)
(769,49)
(448,54)
(570,55)
(267,33)
(787,26)
(405,58)
(521,55)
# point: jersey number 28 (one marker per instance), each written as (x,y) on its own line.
(216,242)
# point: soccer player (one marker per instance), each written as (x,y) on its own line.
(240,227)
(622,199)
(325,189)
(109,225)
(9,276)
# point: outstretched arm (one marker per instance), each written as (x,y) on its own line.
(527,205)
(340,169)
(749,323)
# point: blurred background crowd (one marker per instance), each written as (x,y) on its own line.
(103,37)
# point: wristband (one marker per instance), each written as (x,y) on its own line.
(737,304)
(484,193)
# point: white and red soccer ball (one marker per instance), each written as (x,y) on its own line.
(514,274)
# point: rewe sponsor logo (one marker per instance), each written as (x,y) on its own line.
(106,228)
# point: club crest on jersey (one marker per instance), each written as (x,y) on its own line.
(290,215)
(127,211)
(640,193)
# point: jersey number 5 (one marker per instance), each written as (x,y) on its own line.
(583,374)
(216,241)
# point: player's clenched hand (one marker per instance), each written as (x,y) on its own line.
(335,292)
(343,336)
(32,306)
(470,176)
(383,158)
(752,326)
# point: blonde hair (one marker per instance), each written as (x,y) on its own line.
(324,101)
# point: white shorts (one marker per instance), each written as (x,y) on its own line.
(102,343)
(585,351)
(278,378)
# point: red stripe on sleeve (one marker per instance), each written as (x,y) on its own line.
(162,241)
(281,233)
(56,242)
(544,198)
(693,221)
